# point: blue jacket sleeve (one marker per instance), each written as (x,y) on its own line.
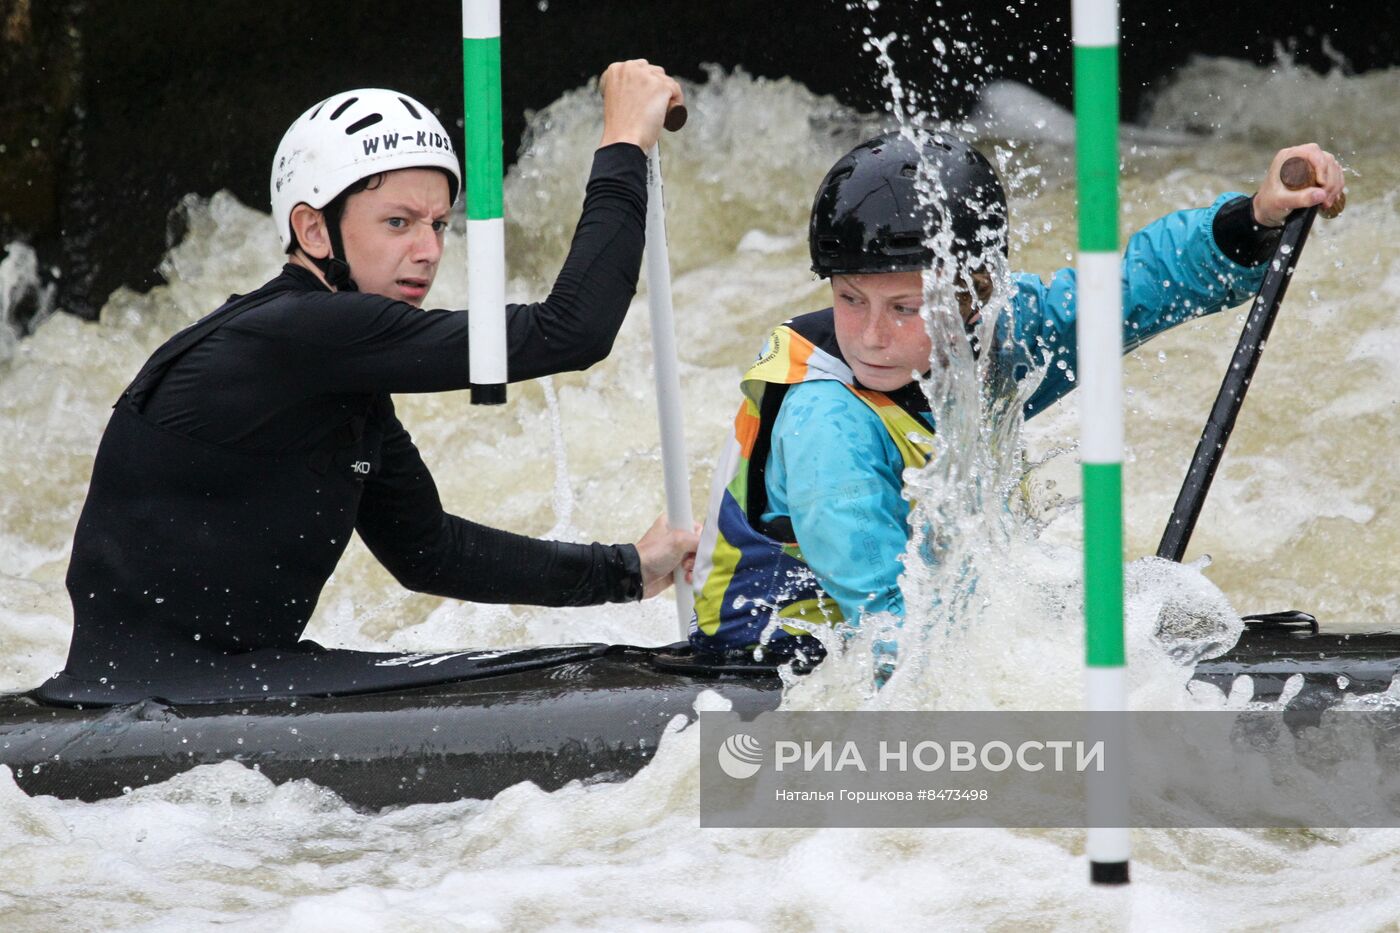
(1173,271)
(835,472)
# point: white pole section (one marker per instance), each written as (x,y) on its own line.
(486,234)
(668,383)
(1100,340)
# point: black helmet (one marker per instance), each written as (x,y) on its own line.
(868,216)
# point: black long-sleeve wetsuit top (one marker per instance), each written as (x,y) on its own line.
(249,447)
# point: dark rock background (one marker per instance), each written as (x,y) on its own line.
(112,110)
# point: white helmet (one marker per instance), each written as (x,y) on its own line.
(350,136)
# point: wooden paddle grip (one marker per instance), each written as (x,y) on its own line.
(675,118)
(1297,173)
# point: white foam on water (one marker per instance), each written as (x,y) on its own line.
(222,844)
(1011,110)
(1301,516)
(21,288)
(1280,104)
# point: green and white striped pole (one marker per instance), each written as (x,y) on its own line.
(1100,338)
(486,231)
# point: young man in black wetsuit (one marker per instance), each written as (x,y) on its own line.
(253,443)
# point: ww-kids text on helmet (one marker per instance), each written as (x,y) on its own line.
(352,136)
(870,217)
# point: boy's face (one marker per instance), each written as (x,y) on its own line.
(393,234)
(879,329)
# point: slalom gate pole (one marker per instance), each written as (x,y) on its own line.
(1100,338)
(486,238)
(668,385)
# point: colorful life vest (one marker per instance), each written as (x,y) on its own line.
(750,574)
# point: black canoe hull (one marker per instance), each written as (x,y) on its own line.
(598,718)
(587,713)
(1333,666)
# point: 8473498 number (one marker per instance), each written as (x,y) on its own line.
(954,794)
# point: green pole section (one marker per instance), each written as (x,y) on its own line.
(1103,564)
(481,81)
(1096,146)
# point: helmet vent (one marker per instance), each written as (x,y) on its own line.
(363,123)
(902,243)
(342,108)
(412,111)
(317,110)
(829,244)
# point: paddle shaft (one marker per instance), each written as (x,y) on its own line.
(1221,422)
(668,386)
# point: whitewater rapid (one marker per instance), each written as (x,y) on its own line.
(1301,516)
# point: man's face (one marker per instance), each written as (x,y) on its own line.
(878,326)
(393,234)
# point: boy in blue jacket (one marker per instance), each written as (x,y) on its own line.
(806,520)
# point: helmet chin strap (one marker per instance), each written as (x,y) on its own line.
(337,273)
(335,269)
